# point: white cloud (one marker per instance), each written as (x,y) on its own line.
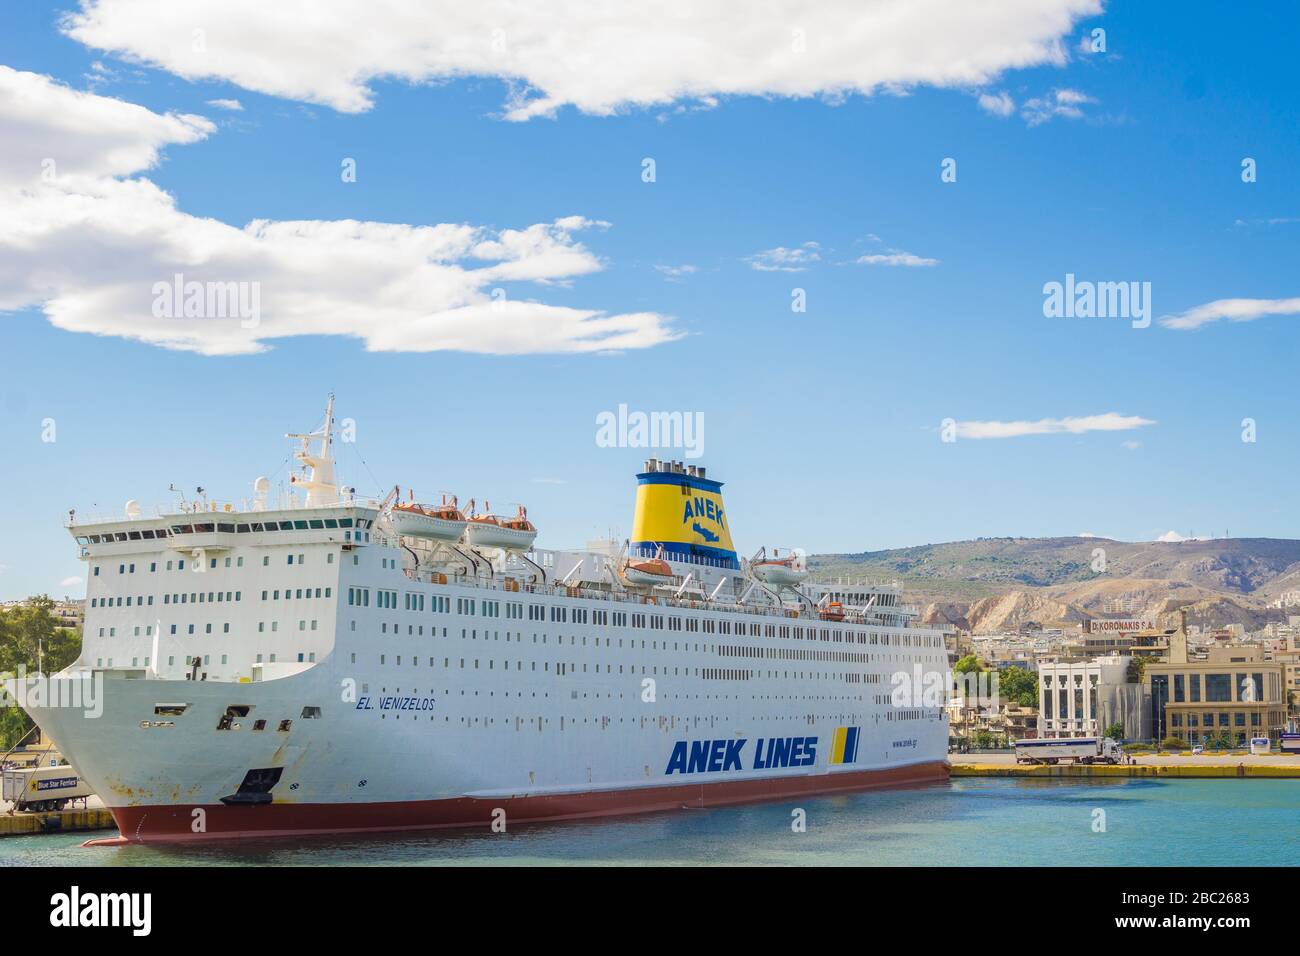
(71,582)
(1173,537)
(1272,221)
(1064,102)
(896,259)
(999,104)
(233,105)
(1108,422)
(676,273)
(1234,310)
(1131,445)
(89,245)
(782,259)
(52,131)
(600,58)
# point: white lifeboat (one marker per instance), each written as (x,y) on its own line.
(492,531)
(785,571)
(441,522)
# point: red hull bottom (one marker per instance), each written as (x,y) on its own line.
(173,824)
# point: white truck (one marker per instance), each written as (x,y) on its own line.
(44,788)
(1075,749)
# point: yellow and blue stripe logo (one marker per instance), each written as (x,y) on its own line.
(685,516)
(844,745)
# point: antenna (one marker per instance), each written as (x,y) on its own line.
(321,489)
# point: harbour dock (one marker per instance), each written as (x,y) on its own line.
(55,821)
(1215,766)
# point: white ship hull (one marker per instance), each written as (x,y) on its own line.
(539,720)
(360,768)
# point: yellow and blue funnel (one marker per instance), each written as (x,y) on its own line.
(681,511)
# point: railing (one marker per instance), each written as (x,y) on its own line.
(635,598)
(646,551)
(208,506)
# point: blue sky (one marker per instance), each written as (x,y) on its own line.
(824,424)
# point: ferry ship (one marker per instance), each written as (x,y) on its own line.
(332,664)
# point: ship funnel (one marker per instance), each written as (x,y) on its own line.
(683,513)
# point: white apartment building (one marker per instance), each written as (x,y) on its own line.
(1079,698)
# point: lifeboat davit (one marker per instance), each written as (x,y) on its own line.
(442,522)
(649,572)
(508,534)
(787,571)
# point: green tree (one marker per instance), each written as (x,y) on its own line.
(967,665)
(1137,668)
(31,640)
(1172,743)
(1222,740)
(30,637)
(1115,732)
(1017,685)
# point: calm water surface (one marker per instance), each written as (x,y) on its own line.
(971,821)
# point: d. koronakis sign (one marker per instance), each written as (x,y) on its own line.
(1117,625)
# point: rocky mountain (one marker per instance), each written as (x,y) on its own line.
(996,584)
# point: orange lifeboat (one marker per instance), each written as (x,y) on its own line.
(649,572)
(440,522)
(491,531)
(834,611)
(782,571)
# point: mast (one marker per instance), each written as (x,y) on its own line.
(319,482)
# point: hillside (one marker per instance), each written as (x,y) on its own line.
(995,584)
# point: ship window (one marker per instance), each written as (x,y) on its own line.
(169,710)
(284,726)
(317,523)
(227,721)
(300,525)
(345,522)
(310,713)
(331,523)
(259,724)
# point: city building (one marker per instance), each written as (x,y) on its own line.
(1233,691)
(1081,698)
